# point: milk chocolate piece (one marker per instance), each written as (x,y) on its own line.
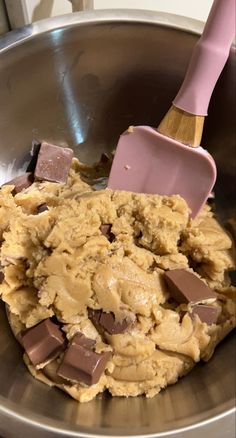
(113,327)
(50,371)
(41,208)
(21,182)
(53,163)
(81,364)
(108,322)
(83,341)
(106,231)
(43,341)
(208,314)
(186,287)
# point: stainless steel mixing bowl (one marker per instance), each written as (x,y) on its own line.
(82,79)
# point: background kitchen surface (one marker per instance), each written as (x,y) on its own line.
(21,12)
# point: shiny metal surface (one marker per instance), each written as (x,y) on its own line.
(81,80)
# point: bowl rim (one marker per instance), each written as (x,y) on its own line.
(18,37)
(35,421)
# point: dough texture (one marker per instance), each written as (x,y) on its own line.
(59,263)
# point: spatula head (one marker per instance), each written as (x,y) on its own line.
(148,162)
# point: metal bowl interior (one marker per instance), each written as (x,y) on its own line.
(81,81)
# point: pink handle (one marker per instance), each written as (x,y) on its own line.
(209,57)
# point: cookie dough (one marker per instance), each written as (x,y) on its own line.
(58,261)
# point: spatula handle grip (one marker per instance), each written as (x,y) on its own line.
(209,57)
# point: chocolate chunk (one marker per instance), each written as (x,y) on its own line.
(186,287)
(113,327)
(50,371)
(53,163)
(21,182)
(108,322)
(83,341)
(106,231)
(208,314)
(33,155)
(43,341)
(81,364)
(232,276)
(1,277)
(95,316)
(41,208)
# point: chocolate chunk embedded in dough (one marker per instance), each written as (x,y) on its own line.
(108,322)
(81,364)
(106,231)
(21,182)
(41,208)
(1,277)
(186,287)
(94,315)
(43,341)
(53,163)
(207,314)
(113,327)
(83,341)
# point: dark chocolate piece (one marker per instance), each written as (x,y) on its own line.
(53,163)
(41,208)
(21,182)
(186,287)
(1,277)
(106,231)
(33,155)
(232,276)
(208,314)
(95,316)
(43,341)
(81,364)
(108,322)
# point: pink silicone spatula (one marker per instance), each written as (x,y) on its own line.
(169,160)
